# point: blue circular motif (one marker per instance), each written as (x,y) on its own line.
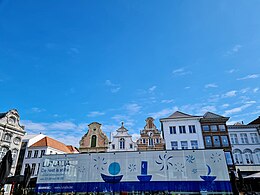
(114,168)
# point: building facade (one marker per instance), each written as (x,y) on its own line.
(182,131)
(150,137)
(215,135)
(245,142)
(95,140)
(11,134)
(37,147)
(122,141)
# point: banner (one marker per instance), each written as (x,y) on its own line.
(185,170)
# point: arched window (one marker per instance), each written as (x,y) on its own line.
(3,151)
(248,156)
(238,157)
(7,137)
(122,143)
(93,141)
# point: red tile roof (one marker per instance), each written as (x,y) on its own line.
(47,141)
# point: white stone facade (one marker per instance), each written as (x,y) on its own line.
(11,134)
(122,141)
(182,131)
(245,143)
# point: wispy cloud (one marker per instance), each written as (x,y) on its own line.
(151,89)
(181,72)
(167,101)
(237,109)
(163,113)
(211,85)
(225,105)
(37,110)
(114,88)
(230,94)
(65,131)
(250,76)
(231,71)
(187,87)
(234,50)
(245,90)
(255,89)
(95,114)
(132,108)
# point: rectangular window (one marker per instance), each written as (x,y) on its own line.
(229,160)
(33,168)
(233,138)
(130,146)
(172,130)
(254,138)
(29,154)
(194,144)
(244,139)
(208,141)
(182,129)
(222,127)
(150,142)
(213,128)
(184,145)
(157,140)
(35,154)
(216,141)
(174,145)
(205,128)
(224,141)
(192,129)
(113,146)
(26,165)
(144,141)
(39,164)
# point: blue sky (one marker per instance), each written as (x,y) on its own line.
(65,64)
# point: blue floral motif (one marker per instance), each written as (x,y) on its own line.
(164,161)
(100,161)
(216,157)
(132,167)
(190,159)
(194,171)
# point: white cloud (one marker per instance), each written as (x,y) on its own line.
(151,89)
(245,90)
(167,101)
(114,88)
(29,125)
(181,72)
(225,105)
(163,113)
(64,125)
(250,102)
(255,90)
(230,94)
(231,71)
(237,109)
(95,114)
(132,108)
(211,85)
(37,110)
(235,49)
(135,137)
(187,87)
(205,109)
(250,76)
